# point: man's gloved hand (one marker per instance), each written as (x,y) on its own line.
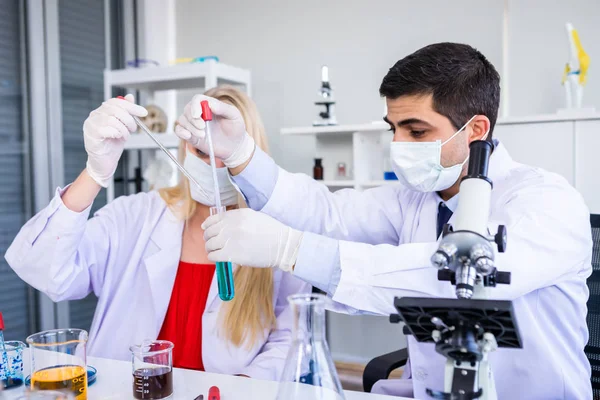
(228,132)
(250,238)
(104,134)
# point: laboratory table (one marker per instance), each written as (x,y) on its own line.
(114,381)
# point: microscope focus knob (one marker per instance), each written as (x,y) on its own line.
(500,238)
(395,318)
(440,260)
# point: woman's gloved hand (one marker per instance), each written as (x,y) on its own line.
(228,132)
(250,238)
(104,134)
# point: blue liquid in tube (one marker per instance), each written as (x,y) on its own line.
(224,272)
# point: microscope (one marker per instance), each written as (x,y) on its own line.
(325,98)
(466,329)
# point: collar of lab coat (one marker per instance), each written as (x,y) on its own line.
(500,162)
(499,167)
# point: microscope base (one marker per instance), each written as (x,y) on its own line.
(465,332)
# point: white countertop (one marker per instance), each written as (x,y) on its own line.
(114,381)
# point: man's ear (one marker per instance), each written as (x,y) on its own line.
(479,127)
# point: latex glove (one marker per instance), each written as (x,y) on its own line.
(250,238)
(227,129)
(104,134)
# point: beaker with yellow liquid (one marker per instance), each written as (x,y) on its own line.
(58,361)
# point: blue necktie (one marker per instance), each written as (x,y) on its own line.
(444,214)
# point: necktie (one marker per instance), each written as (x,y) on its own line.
(444,214)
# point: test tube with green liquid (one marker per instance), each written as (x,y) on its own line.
(224,270)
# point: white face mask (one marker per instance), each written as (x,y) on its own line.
(202,172)
(418,164)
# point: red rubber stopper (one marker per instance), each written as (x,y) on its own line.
(1,322)
(213,392)
(120,97)
(207,116)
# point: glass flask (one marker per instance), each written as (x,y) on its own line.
(309,371)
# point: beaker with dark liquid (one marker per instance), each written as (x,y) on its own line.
(152,369)
(58,361)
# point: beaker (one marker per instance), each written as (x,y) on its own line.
(58,361)
(309,371)
(152,369)
(11,364)
(46,395)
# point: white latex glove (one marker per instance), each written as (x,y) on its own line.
(250,238)
(227,129)
(104,134)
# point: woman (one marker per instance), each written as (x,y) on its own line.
(144,257)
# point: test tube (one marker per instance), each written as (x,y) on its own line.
(224,269)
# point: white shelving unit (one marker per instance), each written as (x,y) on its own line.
(362,147)
(148,81)
(564,143)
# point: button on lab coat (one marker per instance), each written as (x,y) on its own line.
(377,244)
(128,256)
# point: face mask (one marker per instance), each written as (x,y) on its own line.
(418,164)
(202,172)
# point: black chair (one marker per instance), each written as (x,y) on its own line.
(592,350)
(381,367)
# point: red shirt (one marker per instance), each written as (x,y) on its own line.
(183,322)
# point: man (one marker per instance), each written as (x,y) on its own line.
(364,248)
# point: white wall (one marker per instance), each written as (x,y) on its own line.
(539,50)
(284,43)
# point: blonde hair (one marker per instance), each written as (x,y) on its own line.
(245,318)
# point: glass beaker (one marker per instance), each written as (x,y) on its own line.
(152,369)
(11,364)
(46,395)
(309,371)
(58,361)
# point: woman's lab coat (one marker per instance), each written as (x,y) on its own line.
(128,254)
(383,239)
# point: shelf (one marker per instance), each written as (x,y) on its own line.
(336,129)
(376,183)
(575,115)
(562,116)
(339,183)
(352,184)
(181,76)
(141,141)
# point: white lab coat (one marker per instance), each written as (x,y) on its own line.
(128,254)
(388,234)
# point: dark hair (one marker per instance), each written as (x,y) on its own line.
(462,82)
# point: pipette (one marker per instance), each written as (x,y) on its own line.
(224,269)
(4,357)
(165,150)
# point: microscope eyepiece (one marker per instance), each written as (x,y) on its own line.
(480,151)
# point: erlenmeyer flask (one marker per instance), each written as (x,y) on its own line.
(309,372)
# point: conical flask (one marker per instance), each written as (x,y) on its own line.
(309,371)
